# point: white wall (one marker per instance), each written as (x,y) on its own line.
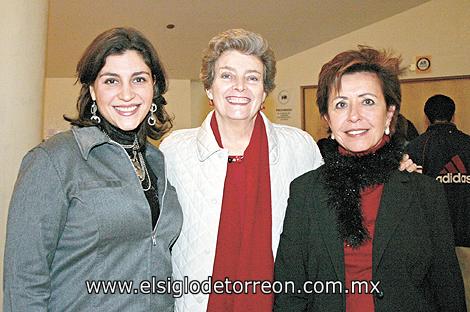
(178,98)
(440,28)
(22,59)
(199,104)
(60,97)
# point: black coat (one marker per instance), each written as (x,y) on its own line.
(444,153)
(414,260)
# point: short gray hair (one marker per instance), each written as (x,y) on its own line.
(245,42)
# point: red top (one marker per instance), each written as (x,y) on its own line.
(243,251)
(358,261)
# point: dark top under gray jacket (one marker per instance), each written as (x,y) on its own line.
(78,214)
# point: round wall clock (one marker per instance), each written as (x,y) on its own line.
(423,63)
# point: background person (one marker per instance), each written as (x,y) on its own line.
(405,130)
(357,218)
(94,203)
(232,175)
(444,152)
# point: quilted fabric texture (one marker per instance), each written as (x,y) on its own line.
(197,168)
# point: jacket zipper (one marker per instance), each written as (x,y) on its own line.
(154,231)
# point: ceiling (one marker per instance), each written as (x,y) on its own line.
(290,26)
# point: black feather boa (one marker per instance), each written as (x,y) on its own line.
(345,176)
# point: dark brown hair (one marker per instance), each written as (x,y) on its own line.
(364,59)
(117,41)
(245,42)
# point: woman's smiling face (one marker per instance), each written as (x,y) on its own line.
(123,90)
(237,90)
(358,114)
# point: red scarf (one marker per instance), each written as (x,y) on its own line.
(358,261)
(244,239)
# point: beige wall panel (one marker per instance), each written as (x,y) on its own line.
(22,58)
(313,123)
(438,28)
(415,94)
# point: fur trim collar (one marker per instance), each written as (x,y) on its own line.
(346,176)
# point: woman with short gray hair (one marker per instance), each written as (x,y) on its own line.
(232,176)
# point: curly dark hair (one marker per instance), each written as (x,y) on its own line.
(117,41)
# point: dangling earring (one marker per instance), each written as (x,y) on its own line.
(93,110)
(332,136)
(151,120)
(262,106)
(387,131)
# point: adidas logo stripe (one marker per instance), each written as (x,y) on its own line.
(454,172)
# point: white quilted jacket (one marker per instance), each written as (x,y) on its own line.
(197,168)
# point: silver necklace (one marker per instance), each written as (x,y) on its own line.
(138,162)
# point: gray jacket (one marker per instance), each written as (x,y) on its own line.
(78,214)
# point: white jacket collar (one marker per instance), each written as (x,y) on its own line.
(207,144)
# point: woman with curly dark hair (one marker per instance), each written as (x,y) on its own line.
(93,205)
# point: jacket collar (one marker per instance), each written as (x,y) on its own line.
(87,138)
(207,144)
(448,126)
(393,207)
